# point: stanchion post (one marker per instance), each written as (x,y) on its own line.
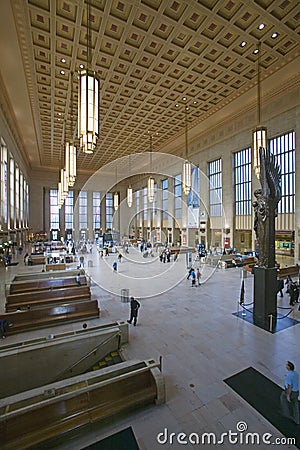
(160,362)
(271,322)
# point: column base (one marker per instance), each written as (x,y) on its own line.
(265,298)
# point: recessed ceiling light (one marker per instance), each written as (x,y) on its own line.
(176,105)
(243,44)
(261,26)
(62,72)
(255,51)
(63,60)
(274,35)
(184,99)
(195,102)
(59,114)
(81,66)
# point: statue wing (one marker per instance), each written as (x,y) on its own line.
(270,176)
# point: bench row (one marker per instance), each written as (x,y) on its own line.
(50,283)
(66,406)
(50,315)
(46,297)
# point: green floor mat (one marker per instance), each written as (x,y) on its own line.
(123,440)
(263,395)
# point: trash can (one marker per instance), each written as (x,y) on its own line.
(124,295)
(90,263)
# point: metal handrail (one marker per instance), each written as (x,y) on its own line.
(118,334)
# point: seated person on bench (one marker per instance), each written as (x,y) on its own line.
(4,324)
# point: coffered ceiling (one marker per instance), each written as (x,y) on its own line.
(148,54)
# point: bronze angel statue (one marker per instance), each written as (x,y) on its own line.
(265,207)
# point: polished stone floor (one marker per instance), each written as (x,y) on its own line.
(200,340)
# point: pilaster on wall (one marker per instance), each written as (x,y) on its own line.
(90,224)
(76,233)
(297,197)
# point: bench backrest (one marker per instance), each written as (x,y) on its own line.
(41,317)
(43,298)
(31,276)
(285,271)
(25,297)
(30,286)
(63,413)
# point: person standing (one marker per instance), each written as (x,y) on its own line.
(115,266)
(26,256)
(289,397)
(134,309)
(81,262)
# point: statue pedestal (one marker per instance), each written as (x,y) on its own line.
(265,297)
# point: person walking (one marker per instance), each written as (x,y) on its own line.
(115,266)
(289,397)
(198,276)
(293,291)
(189,273)
(78,281)
(193,277)
(134,309)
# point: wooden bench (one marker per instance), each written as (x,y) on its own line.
(56,283)
(240,262)
(36,259)
(57,266)
(291,271)
(249,260)
(62,407)
(49,316)
(31,276)
(46,297)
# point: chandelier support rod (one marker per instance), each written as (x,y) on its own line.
(186,132)
(150,152)
(72,112)
(258,85)
(88,36)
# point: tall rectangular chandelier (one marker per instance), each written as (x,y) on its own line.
(88,101)
(259,139)
(70,150)
(88,110)
(70,164)
(187,167)
(259,134)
